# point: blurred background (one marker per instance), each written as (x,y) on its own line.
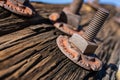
(112,2)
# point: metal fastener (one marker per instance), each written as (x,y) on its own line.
(68,20)
(20,7)
(76,6)
(96,24)
(80,48)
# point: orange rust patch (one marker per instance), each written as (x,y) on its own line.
(54,16)
(87,62)
(16,8)
(67,29)
(64,43)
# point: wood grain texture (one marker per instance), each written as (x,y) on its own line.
(28,49)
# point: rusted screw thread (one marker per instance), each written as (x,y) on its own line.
(76,6)
(96,24)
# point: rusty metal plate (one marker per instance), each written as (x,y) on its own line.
(75,55)
(66,28)
(16,7)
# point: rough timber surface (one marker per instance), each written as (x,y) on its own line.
(28,49)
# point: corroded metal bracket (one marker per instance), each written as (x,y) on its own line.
(68,20)
(17,6)
(74,54)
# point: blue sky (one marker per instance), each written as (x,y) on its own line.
(113,2)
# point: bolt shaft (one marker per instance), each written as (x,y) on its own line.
(76,6)
(96,24)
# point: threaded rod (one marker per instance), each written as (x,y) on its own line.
(96,24)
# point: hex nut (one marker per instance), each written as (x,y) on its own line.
(82,44)
(72,19)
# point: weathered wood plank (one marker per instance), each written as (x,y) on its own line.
(28,49)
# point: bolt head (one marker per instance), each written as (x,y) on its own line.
(82,44)
(71,19)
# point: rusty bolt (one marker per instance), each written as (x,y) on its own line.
(96,24)
(71,13)
(69,17)
(80,48)
(85,42)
